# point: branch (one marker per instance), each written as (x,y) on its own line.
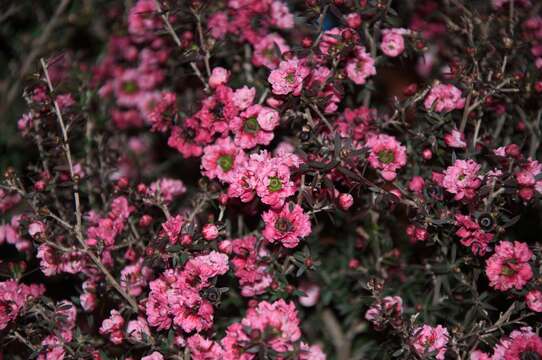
(77,228)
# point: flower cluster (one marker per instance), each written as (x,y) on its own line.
(272,179)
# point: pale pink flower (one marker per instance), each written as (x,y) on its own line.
(218,24)
(167,188)
(138,329)
(210,232)
(393,43)
(219,76)
(204,349)
(244,97)
(533,299)
(288,78)
(281,16)
(312,294)
(462,179)
(154,356)
(455,139)
(360,67)
(444,98)
(37,227)
(255,126)
(113,326)
(268,51)
(221,159)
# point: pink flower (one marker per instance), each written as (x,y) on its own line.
(273,181)
(222,159)
(138,329)
(243,97)
(416,184)
(249,265)
(133,278)
(386,154)
(210,232)
(142,21)
(281,16)
(113,326)
(509,266)
(462,179)
(393,44)
(219,76)
(479,355)
(204,349)
(527,179)
(521,344)
(288,225)
(157,308)
(430,340)
(173,227)
(360,67)
(88,301)
(455,139)
(444,98)
(154,356)
(163,112)
(346,201)
(276,323)
(288,78)
(218,24)
(13,297)
(471,235)
(312,294)
(255,126)
(311,352)
(387,310)
(189,139)
(35,228)
(168,189)
(533,299)
(265,51)
(129,87)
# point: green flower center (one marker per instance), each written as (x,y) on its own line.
(251,125)
(130,87)
(225,162)
(386,156)
(283,225)
(290,78)
(274,184)
(507,271)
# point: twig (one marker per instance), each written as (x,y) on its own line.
(169,28)
(78,228)
(203,44)
(36,47)
(341,343)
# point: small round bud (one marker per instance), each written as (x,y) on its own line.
(210,232)
(427,154)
